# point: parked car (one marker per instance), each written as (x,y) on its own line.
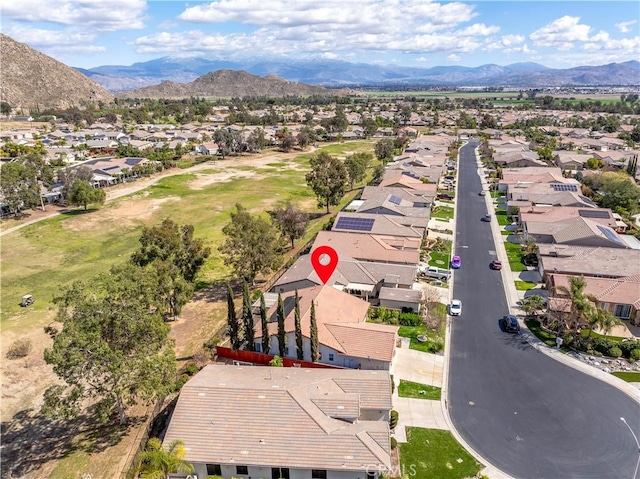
(510,324)
(434,272)
(486,218)
(455,308)
(495,264)
(482,193)
(456,262)
(444,196)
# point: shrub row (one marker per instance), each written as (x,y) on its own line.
(392,316)
(628,348)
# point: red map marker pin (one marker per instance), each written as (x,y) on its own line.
(324,267)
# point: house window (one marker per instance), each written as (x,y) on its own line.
(258,347)
(318,474)
(371,475)
(330,357)
(242,470)
(623,311)
(286,350)
(279,473)
(214,470)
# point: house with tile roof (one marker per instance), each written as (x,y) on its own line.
(363,279)
(594,261)
(345,339)
(580,230)
(619,296)
(294,423)
(370,247)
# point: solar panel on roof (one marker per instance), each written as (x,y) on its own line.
(562,187)
(395,200)
(355,224)
(594,214)
(610,234)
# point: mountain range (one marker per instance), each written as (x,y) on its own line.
(336,73)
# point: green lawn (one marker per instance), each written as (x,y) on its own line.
(433,344)
(506,233)
(409,389)
(503,219)
(594,334)
(436,258)
(442,213)
(630,377)
(525,285)
(514,253)
(433,453)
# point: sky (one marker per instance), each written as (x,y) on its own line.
(421,33)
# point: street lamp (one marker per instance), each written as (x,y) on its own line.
(635,473)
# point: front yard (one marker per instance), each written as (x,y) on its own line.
(514,253)
(443,213)
(433,453)
(409,389)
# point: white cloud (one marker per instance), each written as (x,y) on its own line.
(56,42)
(561,33)
(334,27)
(523,49)
(454,58)
(611,45)
(504,42)
(624,26)
(102,15)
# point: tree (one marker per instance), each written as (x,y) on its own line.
(606,321)
(619,192)
(580,305)
(531,305)
(173,290)
(378,173)
(287,142)
(5,108)
(282,335)
(113,348)
(327,179)
(251,246)
(256,140)
(156,462)
(356,165)
(313,335)
(384,149)
(16,186)
(83,194)
(291,221)
(233,327)
(175,244)
(266,339)
(298,328)
(370,127)
(247,318)
(594,164)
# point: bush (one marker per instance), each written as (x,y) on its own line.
(409,319)
(615,352)
(435,346)
(394,443)
(635,354)
(393,419)
(393,385)
(19,349)
(191,369)
(181,381)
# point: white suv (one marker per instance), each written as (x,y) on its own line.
(455,308)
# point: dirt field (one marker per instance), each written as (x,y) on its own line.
(34,447)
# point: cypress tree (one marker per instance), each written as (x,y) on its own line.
(282,335)
(266,343)
(299,349)
(232,321)
(315,350)
(247,318)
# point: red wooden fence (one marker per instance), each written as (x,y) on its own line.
(264,359)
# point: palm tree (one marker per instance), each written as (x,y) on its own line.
(606,321)
(581,306)
(156,462)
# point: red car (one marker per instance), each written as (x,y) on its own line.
(495,264)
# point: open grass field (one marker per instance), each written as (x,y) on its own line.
(432,453)
(45,257)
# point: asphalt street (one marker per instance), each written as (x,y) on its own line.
(525,413)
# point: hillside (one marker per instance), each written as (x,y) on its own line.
(225,84)
(32,80)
